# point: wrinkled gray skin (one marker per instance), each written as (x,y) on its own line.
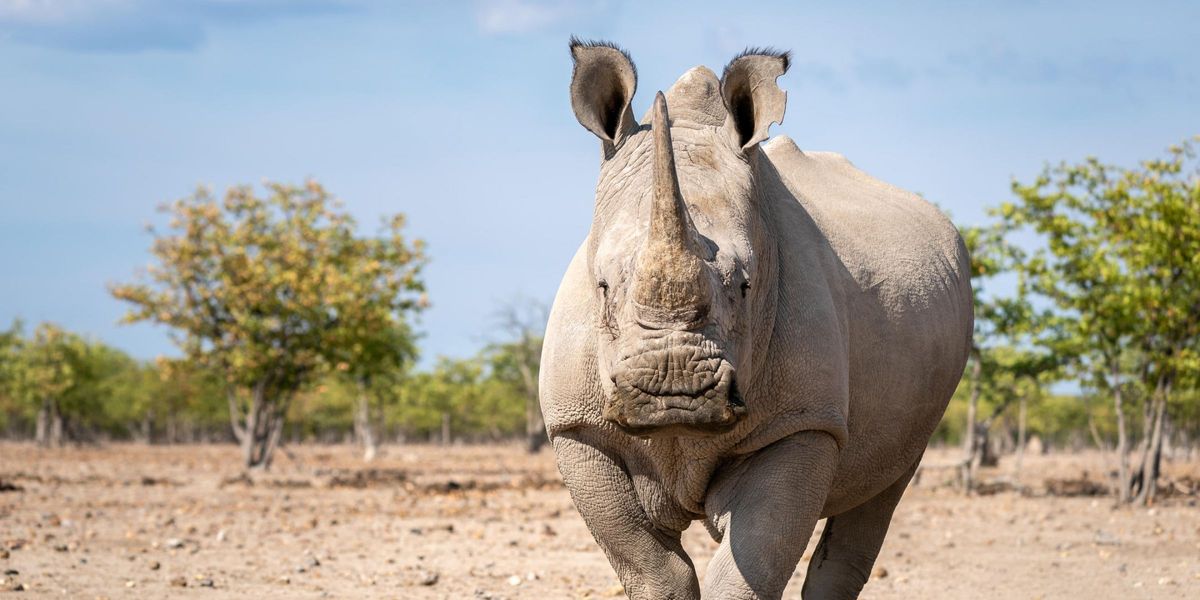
(751,335)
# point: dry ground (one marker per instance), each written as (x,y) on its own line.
(128,521)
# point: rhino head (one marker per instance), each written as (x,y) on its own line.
(679,251)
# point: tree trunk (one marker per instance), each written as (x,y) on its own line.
(1140,479)
(147,427)
(57,426)
(1151,458)
(364,429)
(969,444)
(1020,441)
(263,427)
(985,453)
(50,424)
(1123,482)
(445,429)
(42,433)
(535,428)
(172,428)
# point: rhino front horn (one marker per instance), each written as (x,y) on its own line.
(670,282)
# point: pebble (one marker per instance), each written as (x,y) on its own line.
(515,580)
(179,581)
(310,563)
(174,543)
(427,578)
(879,573)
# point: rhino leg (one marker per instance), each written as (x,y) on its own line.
(649,560)
(849,545)
(763,510)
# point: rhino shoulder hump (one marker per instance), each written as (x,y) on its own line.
(891,241)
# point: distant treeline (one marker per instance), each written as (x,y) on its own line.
(58,387)
(294,326)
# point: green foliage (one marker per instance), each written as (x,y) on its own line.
(99,390)
(271,289)
(1121,262)
(274,292)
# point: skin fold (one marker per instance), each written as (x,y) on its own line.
(751,335)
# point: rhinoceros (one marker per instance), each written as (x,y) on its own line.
(751,335)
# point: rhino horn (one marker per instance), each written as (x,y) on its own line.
(671,283)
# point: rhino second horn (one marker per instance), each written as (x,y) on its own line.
(671,283)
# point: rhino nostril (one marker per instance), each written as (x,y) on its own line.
(735,397)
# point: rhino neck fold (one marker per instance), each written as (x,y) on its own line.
(671,281)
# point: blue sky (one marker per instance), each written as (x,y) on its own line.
(457,115)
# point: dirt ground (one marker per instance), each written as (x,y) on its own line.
(131,521)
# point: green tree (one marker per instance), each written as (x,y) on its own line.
(187,398)
(41,371)
(1004,363)
(374,357)
(1122,265)
(515,363)
(12,408)
(270,291)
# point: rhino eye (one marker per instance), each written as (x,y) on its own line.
(745,288)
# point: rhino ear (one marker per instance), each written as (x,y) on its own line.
(602,87)
(751,96)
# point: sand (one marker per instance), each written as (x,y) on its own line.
(135,521)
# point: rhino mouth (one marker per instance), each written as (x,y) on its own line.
(679,391)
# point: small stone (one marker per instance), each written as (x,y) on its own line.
(19,587)
(154,566)
(427,578)
(515,580)
(879,573)
(285,579)
(179,581)
(130,584)
(174,543)
(4,554)
(206,582)
(11,572)
(60,548)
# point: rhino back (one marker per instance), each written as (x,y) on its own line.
(901,276)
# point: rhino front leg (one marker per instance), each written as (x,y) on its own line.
(650,561)
(764,509)
(843,559)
